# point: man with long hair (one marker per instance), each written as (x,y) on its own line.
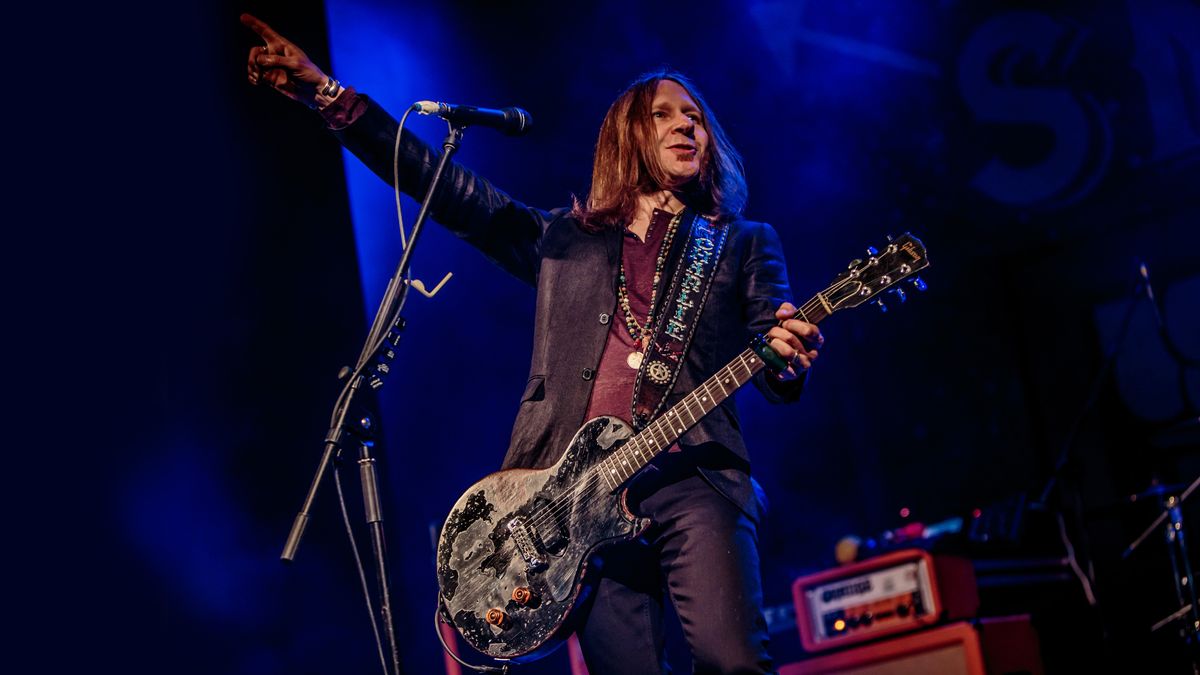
(601,272)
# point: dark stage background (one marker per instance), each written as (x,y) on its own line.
(1040,150)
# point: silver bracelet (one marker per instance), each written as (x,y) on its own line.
(332,87)
(328,93)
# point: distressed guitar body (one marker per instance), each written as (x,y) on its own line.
(537,530)
(519,549)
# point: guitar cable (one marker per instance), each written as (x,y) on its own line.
(358,565)
(437,629)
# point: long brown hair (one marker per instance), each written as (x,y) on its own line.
(626,164)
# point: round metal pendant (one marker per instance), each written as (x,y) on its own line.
(634,360)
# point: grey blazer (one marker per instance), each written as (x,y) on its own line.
(575,274)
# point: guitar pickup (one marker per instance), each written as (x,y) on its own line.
(525,544)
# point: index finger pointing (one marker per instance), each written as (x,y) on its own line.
(264,31)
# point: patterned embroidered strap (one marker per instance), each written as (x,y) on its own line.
(676,322)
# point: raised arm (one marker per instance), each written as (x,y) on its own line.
(505,230)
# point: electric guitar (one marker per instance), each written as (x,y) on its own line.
(515,554)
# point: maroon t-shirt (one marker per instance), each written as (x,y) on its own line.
(612,392)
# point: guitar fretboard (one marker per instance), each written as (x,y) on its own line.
(667,428)
(670,426)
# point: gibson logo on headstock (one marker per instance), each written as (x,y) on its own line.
(911,249)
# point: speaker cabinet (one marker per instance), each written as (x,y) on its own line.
(1000,646)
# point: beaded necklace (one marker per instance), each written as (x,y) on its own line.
(640,333)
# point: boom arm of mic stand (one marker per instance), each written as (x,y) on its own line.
(384,319)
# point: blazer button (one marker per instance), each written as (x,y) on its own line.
(587,373)
(604,319)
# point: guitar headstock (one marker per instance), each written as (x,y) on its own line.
(883,270)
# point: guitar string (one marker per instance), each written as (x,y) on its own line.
(551,511)
(596,477)
(541,516)
(559,506)
(695,408)
(563,504)
(587,488)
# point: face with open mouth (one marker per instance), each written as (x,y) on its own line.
(679,128)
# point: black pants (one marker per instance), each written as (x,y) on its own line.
(704,551)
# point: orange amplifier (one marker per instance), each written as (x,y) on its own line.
(893,593)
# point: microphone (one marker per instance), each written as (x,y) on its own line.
(509,121)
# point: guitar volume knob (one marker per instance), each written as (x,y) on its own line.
(497,617)
(524,596)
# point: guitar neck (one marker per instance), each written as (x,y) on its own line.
(665,430)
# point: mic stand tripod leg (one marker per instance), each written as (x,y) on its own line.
(1185,583)
(374,518)
(332,442)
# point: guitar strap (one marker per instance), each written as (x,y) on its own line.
(677,320)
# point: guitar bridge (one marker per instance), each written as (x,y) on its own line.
(525,544)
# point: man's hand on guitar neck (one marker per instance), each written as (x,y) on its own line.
(796,341)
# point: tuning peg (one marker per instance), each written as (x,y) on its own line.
(919,284)
(890,238)
(854,263)
(872,251)
(900,294)
(882,307)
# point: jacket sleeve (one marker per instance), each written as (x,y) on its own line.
(764,288)
(505,230)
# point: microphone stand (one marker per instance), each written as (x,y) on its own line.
(1181,568)
(377,351)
